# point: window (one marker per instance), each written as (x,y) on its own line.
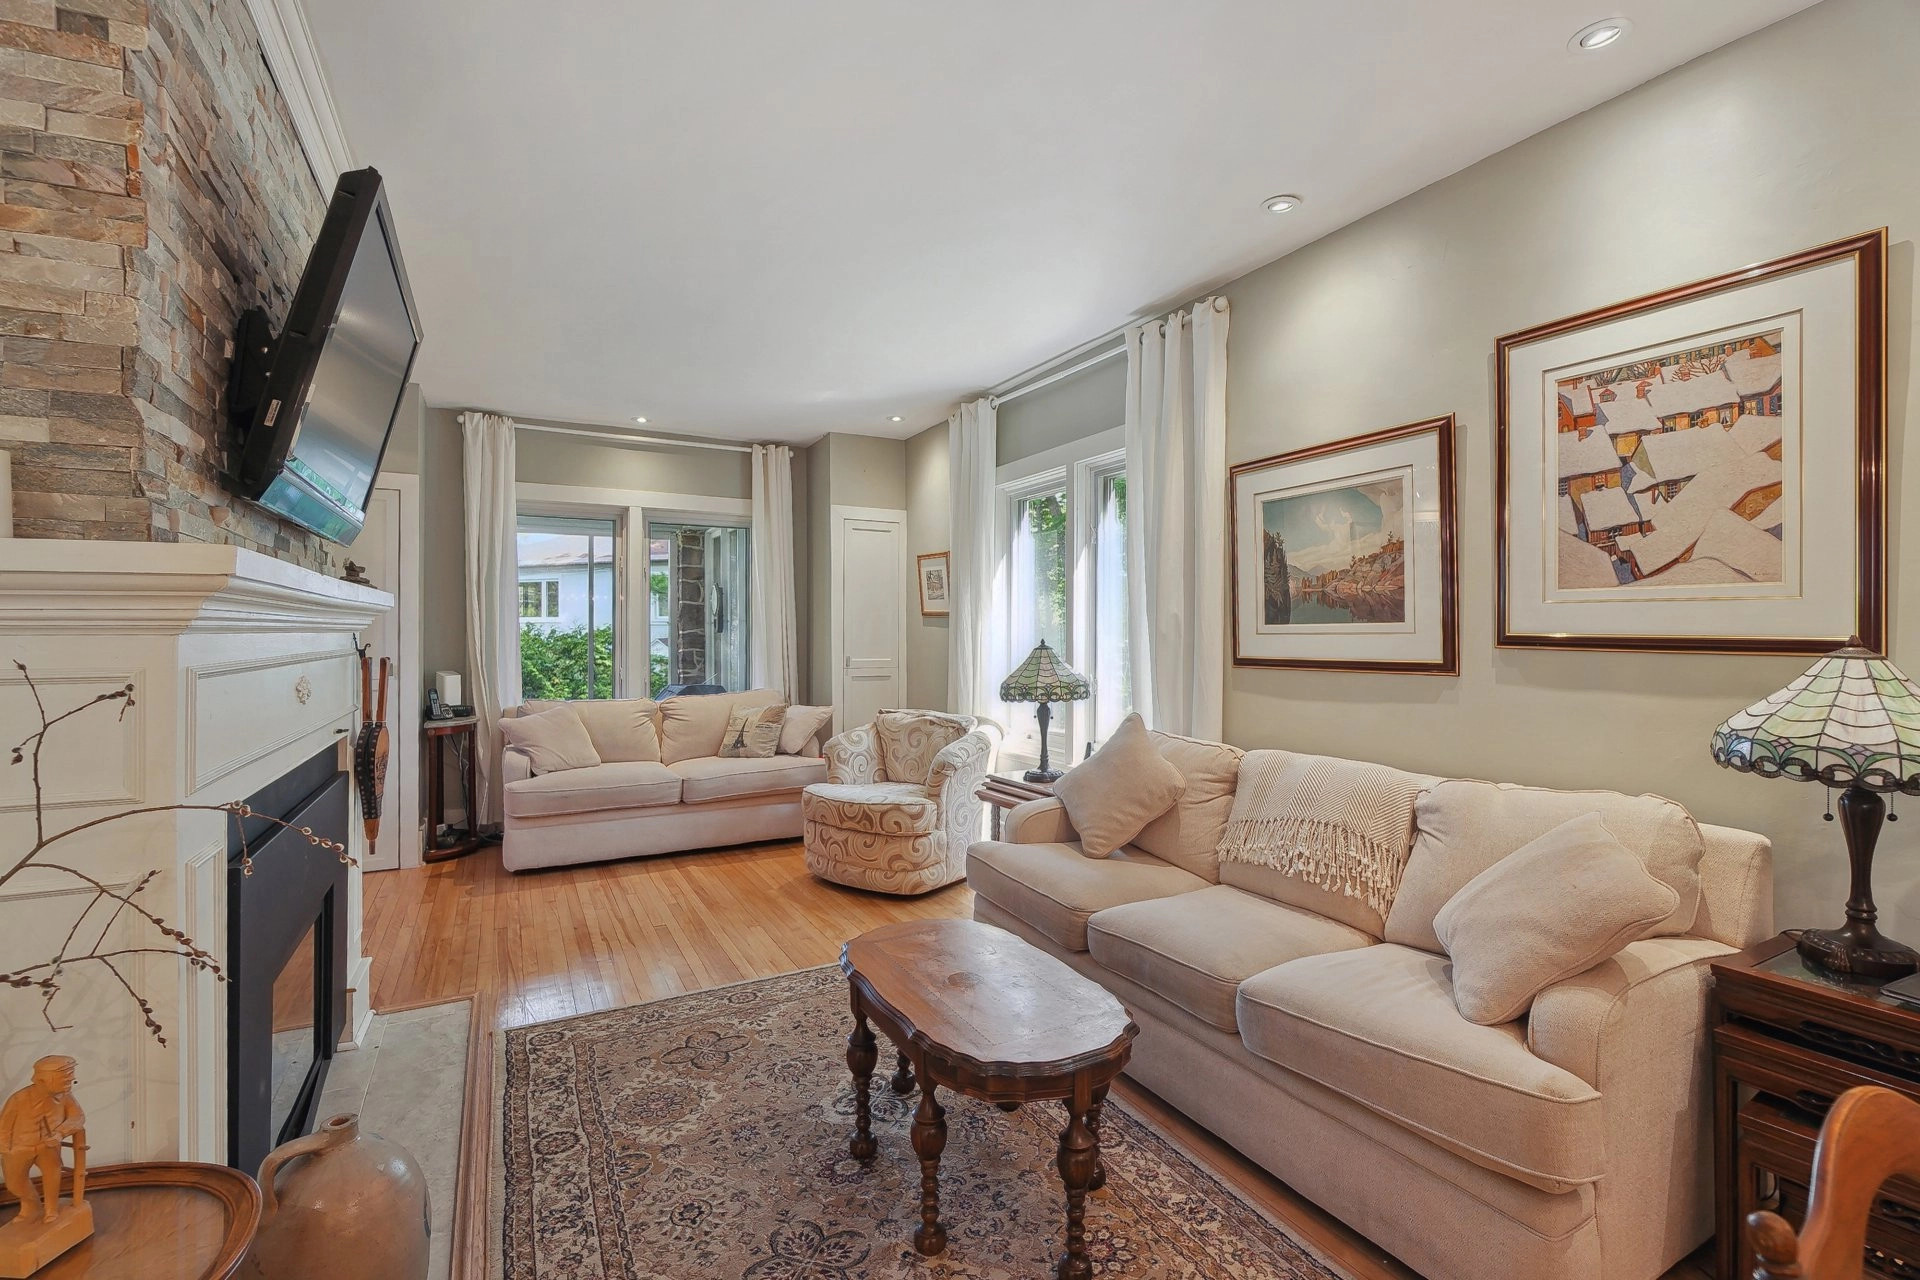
(540,597)
(568,608)
(697,585)
(1064,524)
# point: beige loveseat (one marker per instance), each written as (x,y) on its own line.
(1322,1040)
(661,786)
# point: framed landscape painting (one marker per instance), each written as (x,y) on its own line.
(1702,469)
(935,598)
(1343,554)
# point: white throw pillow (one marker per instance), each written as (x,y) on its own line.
(801,727)
(553,740)
(1556,906)
(1113,794)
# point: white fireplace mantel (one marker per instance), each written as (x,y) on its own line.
(242,667)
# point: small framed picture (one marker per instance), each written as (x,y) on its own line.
(936,600)
(1343,555)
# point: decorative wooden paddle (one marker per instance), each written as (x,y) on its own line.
(370,752)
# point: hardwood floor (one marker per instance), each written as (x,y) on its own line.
(531,948)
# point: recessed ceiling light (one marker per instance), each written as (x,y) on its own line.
(894,418)
(1599,35)
(641,421)
(1280,204)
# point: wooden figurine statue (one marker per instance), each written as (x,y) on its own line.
(35,1124)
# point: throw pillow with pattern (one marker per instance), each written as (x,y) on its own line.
(753,733)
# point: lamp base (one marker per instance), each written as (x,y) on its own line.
(1857,953)
(1042,775)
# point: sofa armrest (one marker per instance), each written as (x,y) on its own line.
(853,757)
(1038,822)
(515,765)
(1635,1028)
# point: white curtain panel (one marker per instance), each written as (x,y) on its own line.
(493,595)
(976,658)
(1176,517)
(773,628)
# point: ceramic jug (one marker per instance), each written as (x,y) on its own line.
(340,1197)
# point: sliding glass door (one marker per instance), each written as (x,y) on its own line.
(569,606)
(697,610)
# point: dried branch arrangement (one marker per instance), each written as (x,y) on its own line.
(107,904)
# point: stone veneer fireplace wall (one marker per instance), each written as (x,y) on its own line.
(155,188)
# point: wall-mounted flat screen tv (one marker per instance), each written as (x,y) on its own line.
(313,405)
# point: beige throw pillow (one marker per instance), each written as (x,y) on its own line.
(553,740)
(1187,834)
(1112,795)
(753,733)
(1560,904)
(801,727)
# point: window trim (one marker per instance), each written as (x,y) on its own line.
(1078,467)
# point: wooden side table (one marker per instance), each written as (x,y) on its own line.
(1002,791)
(462,734)
(1787,1041)
(159,1221)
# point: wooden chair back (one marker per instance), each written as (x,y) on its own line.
(1871,1134)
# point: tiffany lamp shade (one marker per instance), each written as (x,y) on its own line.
(1852,722)
(1043,678)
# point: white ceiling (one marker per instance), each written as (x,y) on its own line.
(768,220)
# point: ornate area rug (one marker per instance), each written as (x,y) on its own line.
(706,1135)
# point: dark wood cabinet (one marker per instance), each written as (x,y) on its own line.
(1787,1041)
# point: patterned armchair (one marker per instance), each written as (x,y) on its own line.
(898,810)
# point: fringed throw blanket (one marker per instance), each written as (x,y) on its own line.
(1343,825)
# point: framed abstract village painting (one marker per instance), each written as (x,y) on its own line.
(1343,555)
(1703,469)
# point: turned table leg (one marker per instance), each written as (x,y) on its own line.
(929,1140)
(861,1055)
(1099,1179)
(902,1081)
(1079,1158)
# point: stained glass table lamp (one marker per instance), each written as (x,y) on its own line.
(1043,678)
(1852,722)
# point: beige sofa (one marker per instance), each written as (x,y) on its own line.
(1321,1039)
(661,786)
(898,808)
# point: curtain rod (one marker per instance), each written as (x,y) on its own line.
(1015,387)
(618,437)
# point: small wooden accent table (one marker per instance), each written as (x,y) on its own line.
(977,1010)
(159,1221)
(1787,1041)
(438,735)
(1003,791)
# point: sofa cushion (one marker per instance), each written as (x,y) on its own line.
(1187,834)
(909,740)
(1119,789)
(1556,906)
(1462,827)
(753,733)
(1285,887)
(1379,1025)
(622,729)
(692,725)
(713,778)
(883,808)
(630,784)
(1196,948)
(1055,887)
(554,740)
(800,730)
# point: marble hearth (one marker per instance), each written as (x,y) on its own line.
(243,669)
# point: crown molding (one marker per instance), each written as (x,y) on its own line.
(294,59)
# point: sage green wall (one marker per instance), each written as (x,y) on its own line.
(819,542)
(1799,134)
(845,471)
(929,528)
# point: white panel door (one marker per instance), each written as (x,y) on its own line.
(378,549)
(869,612)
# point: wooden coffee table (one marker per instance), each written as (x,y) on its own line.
(977,1010)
